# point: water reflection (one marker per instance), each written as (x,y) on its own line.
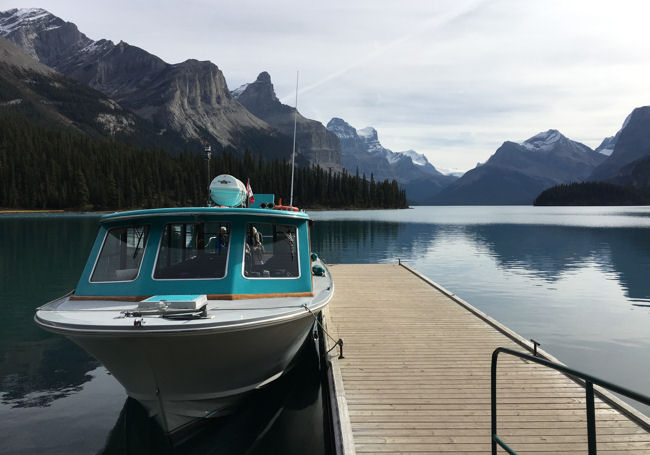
(551,252)
(281,418)
(55,398)
(371,241)
(578,287)
(36,374)
(542,251)
(42,258)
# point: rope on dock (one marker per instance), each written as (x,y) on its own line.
(338,342)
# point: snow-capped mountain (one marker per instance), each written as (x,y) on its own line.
(362,151)
(49,97)
(191,98)
(42,35)
(417,158)
(631,143)
(607,146)
(453,172)
(517,172)
(543,141)
(239,90)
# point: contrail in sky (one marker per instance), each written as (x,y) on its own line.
(435,22)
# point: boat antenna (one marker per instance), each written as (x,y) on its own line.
(293,153)
(207,153)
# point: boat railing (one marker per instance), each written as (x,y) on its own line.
(588,380)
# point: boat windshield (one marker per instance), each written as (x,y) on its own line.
(193,251)
(121,254)
(270,251)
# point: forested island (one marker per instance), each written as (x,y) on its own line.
(52,168)
(591,193)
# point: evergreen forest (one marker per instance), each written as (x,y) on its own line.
(592,193)
(52,168)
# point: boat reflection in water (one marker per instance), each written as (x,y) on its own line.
(284,417)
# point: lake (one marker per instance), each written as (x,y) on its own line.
(574,279)
(56,399)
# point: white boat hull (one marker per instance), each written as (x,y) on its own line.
(184,376)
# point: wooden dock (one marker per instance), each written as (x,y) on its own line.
(416,376)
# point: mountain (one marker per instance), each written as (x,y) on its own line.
(191,98)
(361,151)
(631,143)
(636,174)
(516,173)
(29,89)
(607,146)
(314,143)
(42,35)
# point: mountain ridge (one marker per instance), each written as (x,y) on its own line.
(631,143)
(517,172)
(31,90)
(191,98)
(362,152)
(312,138)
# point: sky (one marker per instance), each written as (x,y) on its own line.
(450,79)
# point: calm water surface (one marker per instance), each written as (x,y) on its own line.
(56,399)
(575,279)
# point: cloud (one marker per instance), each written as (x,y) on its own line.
(452,79)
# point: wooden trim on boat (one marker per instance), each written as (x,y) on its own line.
(117,298)
(258,296)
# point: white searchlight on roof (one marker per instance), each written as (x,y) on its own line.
(227,191)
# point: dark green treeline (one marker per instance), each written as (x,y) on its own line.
(42,168)
(591,194)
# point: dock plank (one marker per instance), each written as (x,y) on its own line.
(416,377)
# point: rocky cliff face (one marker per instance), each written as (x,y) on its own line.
(315,145)
(191,98)
(29,88)
(631,143)
(362,151)
(517,173)
(42,35)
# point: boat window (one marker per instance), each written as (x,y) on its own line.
(270,251)
(193,250)
(121,254)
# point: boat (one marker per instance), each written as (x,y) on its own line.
(193,308)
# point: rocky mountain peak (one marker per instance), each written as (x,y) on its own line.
(631,143)
(417,158)
(260,94)
(264,78)
(341,128)
(315,144)
(369,134)
(15,18)
(609,143)
(41,34)
(607,146)
(544,141)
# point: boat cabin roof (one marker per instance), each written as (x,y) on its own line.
(223,252)
(202,211)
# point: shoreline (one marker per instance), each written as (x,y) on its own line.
(90,212)
(31,211)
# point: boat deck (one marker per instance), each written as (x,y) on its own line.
(416,376)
